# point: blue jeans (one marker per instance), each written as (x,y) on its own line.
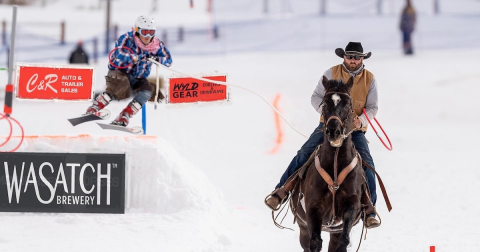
(360,143)
(142,95)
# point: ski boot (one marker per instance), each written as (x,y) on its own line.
(124,117)
(100,102)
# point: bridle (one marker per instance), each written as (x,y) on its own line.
(335,182)
(334,117)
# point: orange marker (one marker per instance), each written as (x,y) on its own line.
(279,139)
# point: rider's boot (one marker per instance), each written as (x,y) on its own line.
(371,222)
(275,199)
(367,204)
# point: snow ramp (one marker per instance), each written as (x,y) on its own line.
(170,204)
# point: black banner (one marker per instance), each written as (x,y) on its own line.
(62,182)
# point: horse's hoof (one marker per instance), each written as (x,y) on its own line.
(372,223)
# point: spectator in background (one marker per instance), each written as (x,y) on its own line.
(79,56)
(407,25)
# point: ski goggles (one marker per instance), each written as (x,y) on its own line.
(356,57)
(146,32)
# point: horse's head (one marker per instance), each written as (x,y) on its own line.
(337,110)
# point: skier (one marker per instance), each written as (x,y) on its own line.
(142,41)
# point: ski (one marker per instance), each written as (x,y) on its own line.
(100,115)
(137,130)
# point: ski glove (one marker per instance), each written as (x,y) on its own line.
(154,57)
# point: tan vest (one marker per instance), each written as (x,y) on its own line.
(359,92)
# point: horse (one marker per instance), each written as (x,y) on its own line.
(328,196)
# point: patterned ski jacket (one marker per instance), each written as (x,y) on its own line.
(140,69)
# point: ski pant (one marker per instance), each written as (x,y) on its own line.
(142,87)
(120,83)
(317,137)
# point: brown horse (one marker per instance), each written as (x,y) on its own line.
(328,197)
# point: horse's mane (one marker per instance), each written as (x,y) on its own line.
(336,86)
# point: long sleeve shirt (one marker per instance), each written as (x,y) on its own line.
(371,106)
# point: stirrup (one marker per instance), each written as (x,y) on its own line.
(280,199)
(374,226)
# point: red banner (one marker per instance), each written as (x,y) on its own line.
(54,82)
(185,90)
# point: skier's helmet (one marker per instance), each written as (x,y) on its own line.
(145,26)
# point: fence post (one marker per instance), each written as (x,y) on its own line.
(154,5)
(4,32)
(436,7)
(95,50)
(265,6)
(115,32)
(379,7)
(164,37)
(8,56)
(180,34)
(215,32)
(107,32)
(323,7)
(209,6)
(62,32)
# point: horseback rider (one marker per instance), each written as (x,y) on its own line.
(364,95)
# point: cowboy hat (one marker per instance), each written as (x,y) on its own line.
(353,48)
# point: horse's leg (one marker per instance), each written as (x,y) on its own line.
(304,238)
(334,239)
(314,223)
(348,219)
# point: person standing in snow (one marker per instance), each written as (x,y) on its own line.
(407,25)
(120,78)
(364,95)
(79,56)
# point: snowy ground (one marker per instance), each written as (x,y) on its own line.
(216,157)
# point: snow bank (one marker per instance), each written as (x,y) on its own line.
(170,204)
